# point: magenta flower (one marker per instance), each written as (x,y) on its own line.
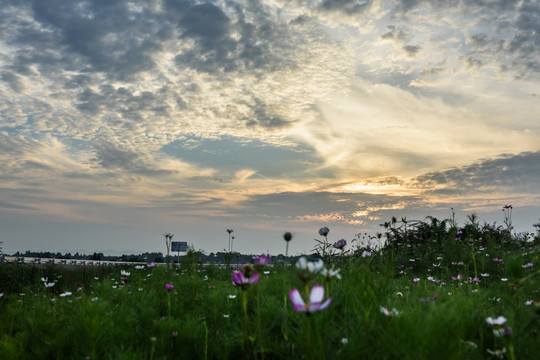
(261,261)
(169,287)
(316,296)
(239,279)
(340,244)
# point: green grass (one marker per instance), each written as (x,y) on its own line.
(442,315)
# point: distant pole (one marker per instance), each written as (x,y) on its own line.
(168,240)
(230,244)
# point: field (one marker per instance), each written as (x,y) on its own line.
(433,290)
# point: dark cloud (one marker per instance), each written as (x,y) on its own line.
(394,33)
(122,101)
(262,115)
(222,44)
(411,50)
(512,172)
(107,36)
(16,144)
(346,6)
(111,156)
(13,80)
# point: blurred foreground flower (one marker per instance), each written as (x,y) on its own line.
(496,322)
(315,303)
(47,283)
(261,261)
(330,273)
(389,313)
(312,267)
(308,269)
(240,279)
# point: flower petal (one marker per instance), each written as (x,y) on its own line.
(317,294)
(297,301)
(325,304)
(301,263)
(254,278)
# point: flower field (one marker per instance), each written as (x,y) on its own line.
(421,290)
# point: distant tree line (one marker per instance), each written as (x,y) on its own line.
(157,257)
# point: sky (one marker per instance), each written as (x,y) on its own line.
(121,121)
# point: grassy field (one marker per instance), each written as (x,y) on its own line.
(434,290)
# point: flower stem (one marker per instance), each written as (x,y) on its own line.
(259,331)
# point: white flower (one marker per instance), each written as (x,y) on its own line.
(225,316)
(389,313)
(1,294)
(232,296)
(366,253)
(313,267)
(528,303)
(139,267)
(497,353)
(330,273)
(266,272)
(399,294)
(315,303)
(125,273)
(344,341)
(485,274)
(67,293)
(498,321)
(504,279)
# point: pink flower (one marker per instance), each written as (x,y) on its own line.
(340,244)
(169,287)
(152,264)
(415,280)
(239,279)
(316,296)
(261,261)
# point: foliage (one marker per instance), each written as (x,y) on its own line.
(426,291)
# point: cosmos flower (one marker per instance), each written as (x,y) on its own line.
(330,273)
(125,273)
(239,279)
(389,313)
(169,287)
(261,261)
(315,303)
(324,231)
(340,244)
(496,322)
(47,283)
(312,267)
(366,253)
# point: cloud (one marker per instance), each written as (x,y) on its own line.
(511,173)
